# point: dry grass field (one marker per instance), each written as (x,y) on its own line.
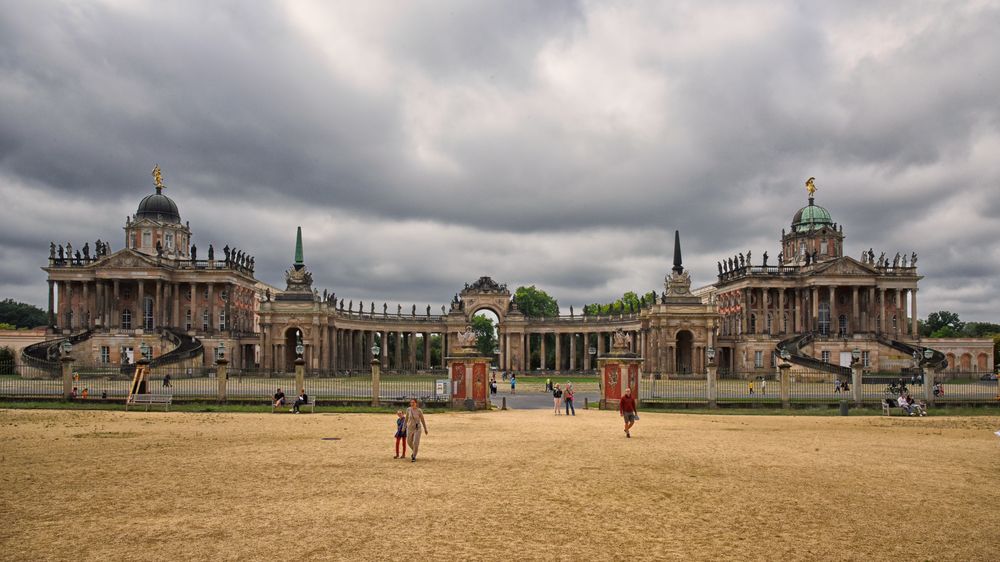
(499,485)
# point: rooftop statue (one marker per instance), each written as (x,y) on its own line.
(765,259)
(811,186)
(157,177)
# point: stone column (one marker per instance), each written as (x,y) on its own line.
(175,297)
(228,307)
(798,320)
(558,365)
(157,302)
(52,313)
(882,310)
(398,362)
(572,352)
(781,311)
(586,351)
(300,374)
(384,351)
(67,375)
(141,320)
(193,306)
(541,353)
(914,328)
(506,358)
(85,316)
(413,350)
(211,308)
(834,310)
(116,316)
(855,311)
(427,350)
(814,325)
(896,301)
(746,311)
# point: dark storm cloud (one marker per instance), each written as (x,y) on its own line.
(421,145)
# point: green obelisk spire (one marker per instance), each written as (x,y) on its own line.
(678,268)
(299,263)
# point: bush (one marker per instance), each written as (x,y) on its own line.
(6,361)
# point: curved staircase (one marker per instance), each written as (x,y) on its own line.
(794,347)
(937,362)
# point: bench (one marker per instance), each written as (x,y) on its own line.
(289,402)
(149,399)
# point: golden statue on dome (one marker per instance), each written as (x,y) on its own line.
(157,177)
(811,186)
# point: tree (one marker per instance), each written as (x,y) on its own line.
(630,302)
(6,361)
(938,320)
(980,329)
(21,314)
(535,302)
(486,338)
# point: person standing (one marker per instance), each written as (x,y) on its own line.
(513,383)
(414,419)
(568,399)
(763,386)
(627,410)
(548,385)
(400,434)
(166,381)
(557,399)
(750,386)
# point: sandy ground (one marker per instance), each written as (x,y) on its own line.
(498,485)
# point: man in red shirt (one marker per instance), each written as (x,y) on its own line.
(627,410)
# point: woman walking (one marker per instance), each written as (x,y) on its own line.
(557,400)
(414,419)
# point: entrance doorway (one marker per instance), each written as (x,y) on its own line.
(685,343)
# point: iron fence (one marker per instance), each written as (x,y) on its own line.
(673,390)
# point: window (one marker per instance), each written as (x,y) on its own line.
(105,354)
(758,359)
(842,325)
(187,319)
(147,352)
(147,313)
(222,320)
(866,360)
(169,238)
(131,240)
(753,323)
(126,319)
(206,293)
(825,356)
(822,246)
(204,320)
(147,239)
(772,359)
(784,323)
(824,318)
(769,323)
(802,249)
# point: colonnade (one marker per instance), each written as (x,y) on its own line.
(130,304)
(829,310)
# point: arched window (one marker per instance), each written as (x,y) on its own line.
(842,325)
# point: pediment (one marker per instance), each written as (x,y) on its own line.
(125,259)
(844,266)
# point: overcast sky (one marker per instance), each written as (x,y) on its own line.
(421,145)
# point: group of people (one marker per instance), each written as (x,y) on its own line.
(841,386)
(302,399)
(762,385)
(408,430)
(910,405)
(562,398)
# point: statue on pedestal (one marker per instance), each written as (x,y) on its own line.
(765,259)
(211,253)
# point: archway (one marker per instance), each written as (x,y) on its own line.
(493,347)
(685,343)
(292,335)
(982,363)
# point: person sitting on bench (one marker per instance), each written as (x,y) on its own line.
(302,399)
(916,407)
(279,399)
(903,404)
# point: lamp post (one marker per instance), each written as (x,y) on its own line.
(710,353)
(220,352)
(711,378)
(300,369)
(221,370)
(857,369)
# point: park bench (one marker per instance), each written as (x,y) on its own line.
(149,399)
(890,404)
(289,402)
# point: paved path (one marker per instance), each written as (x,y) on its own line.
(537,400)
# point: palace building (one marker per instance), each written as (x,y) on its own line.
(157,296)
(153,296)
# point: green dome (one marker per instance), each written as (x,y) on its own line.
(811,217)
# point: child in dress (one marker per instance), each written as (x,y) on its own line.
(400,434)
